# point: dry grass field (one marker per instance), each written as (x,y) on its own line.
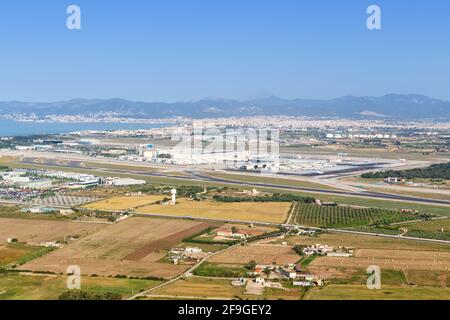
(243,211)
(123,203)
(262,254)
(434,225)
(354,292)
(365,242)
(430,261)
(34,231)
(10,253)
(131,247)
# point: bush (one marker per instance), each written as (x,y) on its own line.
(86,295)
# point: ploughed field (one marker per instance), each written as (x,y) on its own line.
(133,247)
(36,232)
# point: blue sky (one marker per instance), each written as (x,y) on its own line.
(170,50)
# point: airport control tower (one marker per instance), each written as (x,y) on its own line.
(174,196)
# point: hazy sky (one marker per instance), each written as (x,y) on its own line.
(169,50)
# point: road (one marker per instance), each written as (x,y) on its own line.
(197,176)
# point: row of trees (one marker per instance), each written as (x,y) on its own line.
(276,197)
(436,171)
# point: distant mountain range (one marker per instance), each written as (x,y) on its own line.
(391,106)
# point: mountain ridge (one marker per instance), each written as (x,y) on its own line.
(390,106)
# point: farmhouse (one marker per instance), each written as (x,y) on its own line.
(289,273)
(317,249)
(324,250)
(182,254)
(239,233)
(229,234)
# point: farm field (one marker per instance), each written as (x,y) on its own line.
(204,288)
(33,231)
(16,286)
(243,211)
(123,203)
(387,259)
(223,270)
(262,254)
(364,242)
(330,216)
(433,229)
(414,193)
(11,253)
(354,292)
(433,226)
(132,247)
(199,288)
(389,254)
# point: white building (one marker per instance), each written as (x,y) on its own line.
(123,182)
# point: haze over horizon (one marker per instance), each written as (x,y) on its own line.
(178,51)
(244,99)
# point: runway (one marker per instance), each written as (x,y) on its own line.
(196,176)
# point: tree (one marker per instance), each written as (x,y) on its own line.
(234,230)
(251,265)
(86,295)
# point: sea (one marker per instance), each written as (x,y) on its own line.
(11,128)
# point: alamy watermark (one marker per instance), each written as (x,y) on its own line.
(374,20)
(374,279)
(258,148)
(74,278)
(73,22)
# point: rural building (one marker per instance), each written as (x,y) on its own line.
(394,180)
(317,249)
(123,182)
(289,273)
(239,282)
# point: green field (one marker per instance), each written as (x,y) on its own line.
(16,286)
(218,270)
(330,216)
(19,253)
(435,229)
